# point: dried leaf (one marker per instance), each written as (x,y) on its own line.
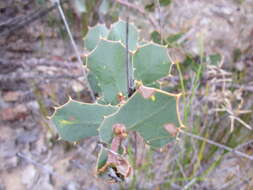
(146,92)
(121,98)
(117,168)
(171,129)
(119,130)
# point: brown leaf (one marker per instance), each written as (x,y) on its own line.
(121,98)
(117,168)
(119,130)
(123,167)
(116,172)
(171,129)
(116,142)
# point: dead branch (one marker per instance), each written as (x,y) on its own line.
(13,25)
(224,147)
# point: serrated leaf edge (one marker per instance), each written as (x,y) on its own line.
(71,100)
(132,23)
(177,96)
(91,27)
(149,43)
(100,41)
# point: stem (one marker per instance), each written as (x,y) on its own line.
(127,59)
(217,144)
(13,25)
(75,48)
(159,20)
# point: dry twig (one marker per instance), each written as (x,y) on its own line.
(224,147)
(57,2)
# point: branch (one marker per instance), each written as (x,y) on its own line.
(39,165)
(235,151)
(20,22)
(57,3)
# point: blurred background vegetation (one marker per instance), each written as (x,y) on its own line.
(210,43)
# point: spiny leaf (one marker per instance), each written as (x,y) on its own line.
(151,62)
(75,120)
(93,36)
(107,62)
(148,116)
(118,32)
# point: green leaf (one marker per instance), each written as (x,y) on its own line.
(76,120)
(102,158)
(237,53)
(93,81)
(40,2)
(107,62)
(154,85)
(93,36)
(150,7)
(214,59)
(164,3)
(156,37)
(174,37)
(189,63)
(151,62)
(147,116)
(118,33)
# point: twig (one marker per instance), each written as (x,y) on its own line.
(127,59)
(140,10)
(39,165)
(241,121)
(159,19)
(57,2)
(18,23)
(102,146)
(248,88)
(244,144)
(129,69)
(217,144)
(101,18)
(188,185)
(44,77)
